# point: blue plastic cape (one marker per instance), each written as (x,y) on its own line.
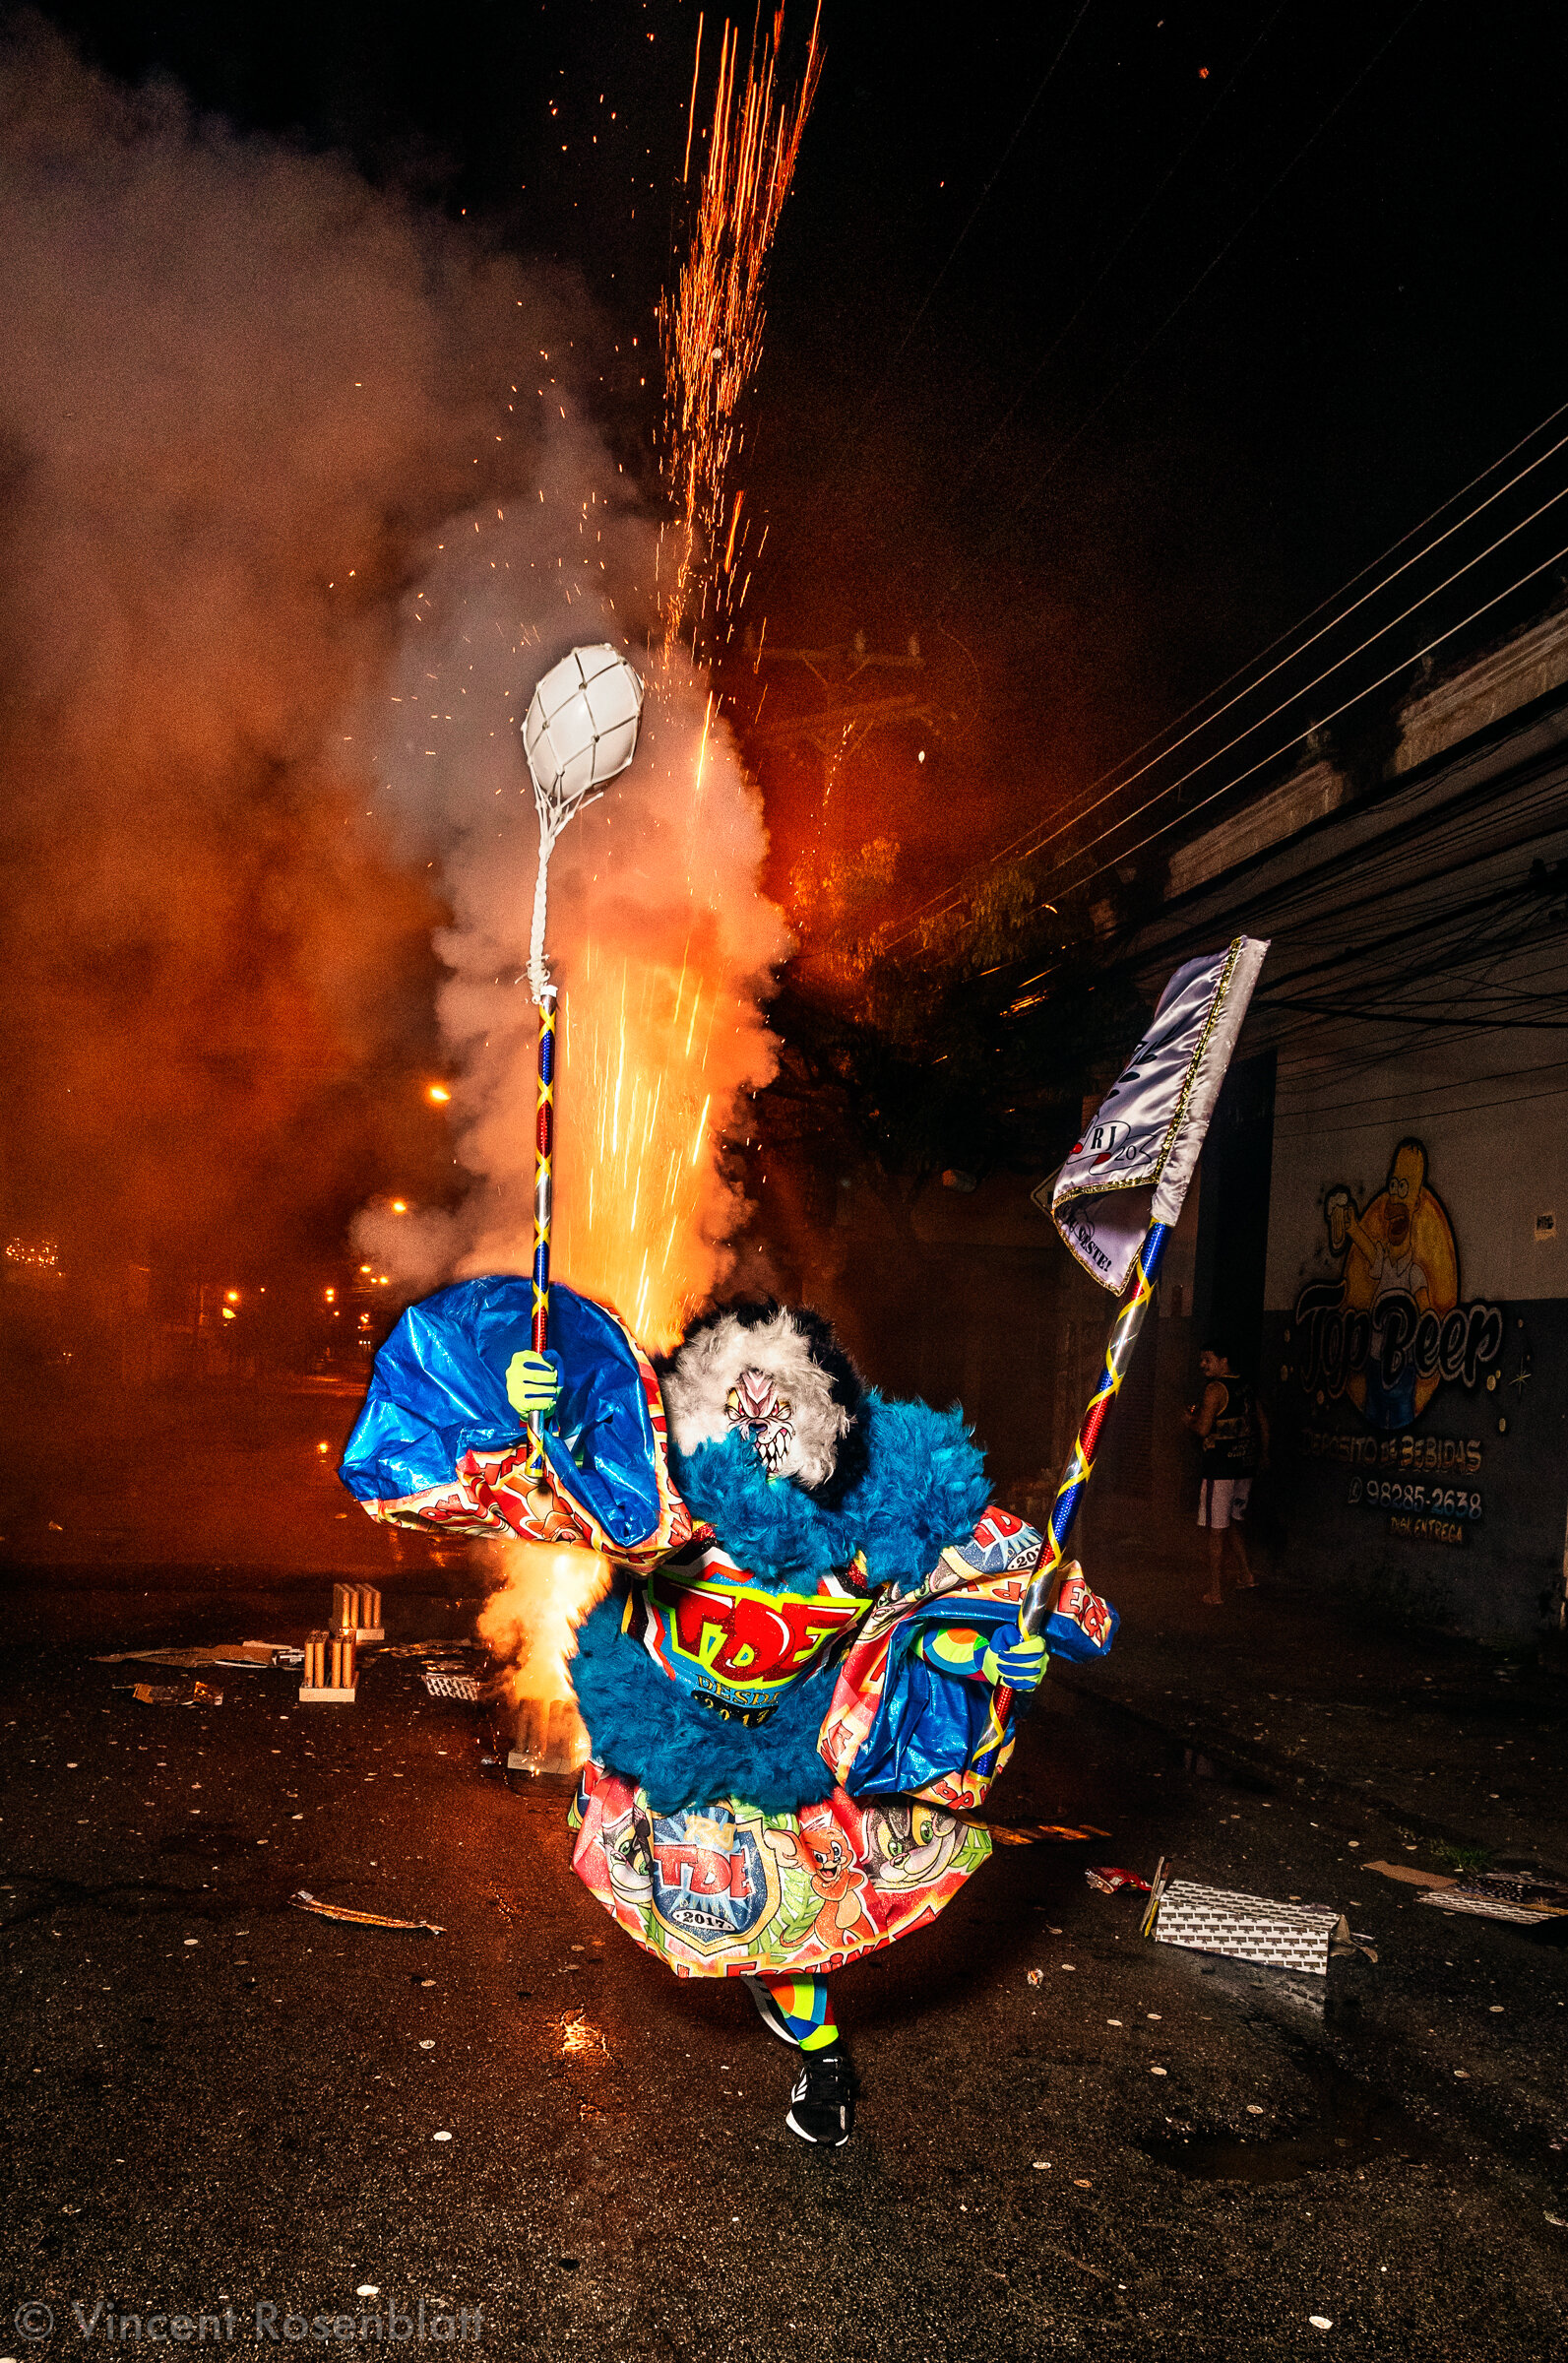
(927,1724)
(438,1390)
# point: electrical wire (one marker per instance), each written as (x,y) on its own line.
(1062,335)
(945,895)
(1308,686)
(1177,309)
(1127,851)
(950,894)
(858,430)
(1173,787)
(1379,1124)
(1423,1091)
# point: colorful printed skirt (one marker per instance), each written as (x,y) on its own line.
(726,1890)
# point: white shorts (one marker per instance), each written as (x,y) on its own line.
(1222,1502)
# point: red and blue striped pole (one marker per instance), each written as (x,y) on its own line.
(1039,1594)
(543,1204)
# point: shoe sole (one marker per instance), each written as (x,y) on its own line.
(811,2138)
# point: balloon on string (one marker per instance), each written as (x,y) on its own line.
(579,734)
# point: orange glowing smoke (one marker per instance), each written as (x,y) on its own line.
(712,326)
(529,1621)
(634,1062)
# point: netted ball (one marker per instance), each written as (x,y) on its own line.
(581,726)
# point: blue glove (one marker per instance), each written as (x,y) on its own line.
(1016,1659)
(534,1383)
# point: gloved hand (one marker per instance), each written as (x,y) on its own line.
(1015,1659)
(534,1383)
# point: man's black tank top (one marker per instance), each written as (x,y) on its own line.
(1227,1448)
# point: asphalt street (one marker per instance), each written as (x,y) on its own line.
(215,2101)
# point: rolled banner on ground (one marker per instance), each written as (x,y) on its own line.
(1134,1163)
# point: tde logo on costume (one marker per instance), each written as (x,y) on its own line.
(1389,1329)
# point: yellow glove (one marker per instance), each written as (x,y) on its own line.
(1018,1659)
(534,1384)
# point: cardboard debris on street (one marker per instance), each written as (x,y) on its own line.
(304,1902)
(1514,1895)
(1249,1927)
(442,1684)
(1034,1834)
(257,1655)
(1409,1876)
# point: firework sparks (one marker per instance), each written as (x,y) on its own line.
(712,326)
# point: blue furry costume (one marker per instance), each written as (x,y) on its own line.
(787,1688)
(922,1487)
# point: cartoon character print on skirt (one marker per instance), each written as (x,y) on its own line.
(817,1845)
(729,1890)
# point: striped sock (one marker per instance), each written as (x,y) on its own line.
(797,2010)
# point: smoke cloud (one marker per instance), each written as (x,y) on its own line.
(298,502)
(657,932)
(244,395)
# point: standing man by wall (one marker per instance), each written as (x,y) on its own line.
(1235,1436)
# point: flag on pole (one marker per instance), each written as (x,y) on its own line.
(1135,1160)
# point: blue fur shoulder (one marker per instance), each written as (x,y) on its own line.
(641,1724)
(923,1488)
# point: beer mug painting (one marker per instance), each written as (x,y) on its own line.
(1338,1209)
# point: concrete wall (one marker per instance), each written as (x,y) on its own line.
(1459,1509)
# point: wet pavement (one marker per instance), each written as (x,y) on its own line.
(1456,1740)
(215,2101)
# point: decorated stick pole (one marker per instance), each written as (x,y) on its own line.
(1115,1200)
(1040,1593)
(579,734)
(543,1204)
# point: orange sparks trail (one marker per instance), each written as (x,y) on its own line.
(712,327)
(634,1059)
(635,1219)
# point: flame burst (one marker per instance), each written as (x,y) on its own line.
(640,1071)
(635,1061)
(712,326)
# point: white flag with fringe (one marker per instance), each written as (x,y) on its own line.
(1135,1160)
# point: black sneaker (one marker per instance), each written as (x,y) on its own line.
(821,2104)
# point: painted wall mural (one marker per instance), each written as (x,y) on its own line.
(1390,1327)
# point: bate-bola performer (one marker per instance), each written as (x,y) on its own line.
(788,1687)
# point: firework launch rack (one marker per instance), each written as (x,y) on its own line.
(331,1671)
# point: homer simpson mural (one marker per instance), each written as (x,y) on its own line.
(1401,1269)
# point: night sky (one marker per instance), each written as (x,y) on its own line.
(1102,346)
(1103,340)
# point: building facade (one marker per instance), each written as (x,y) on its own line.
(1382,1227)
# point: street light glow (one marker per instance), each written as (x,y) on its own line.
(439,1093)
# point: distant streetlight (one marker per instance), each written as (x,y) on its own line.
(439,1093)
(400,1205)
